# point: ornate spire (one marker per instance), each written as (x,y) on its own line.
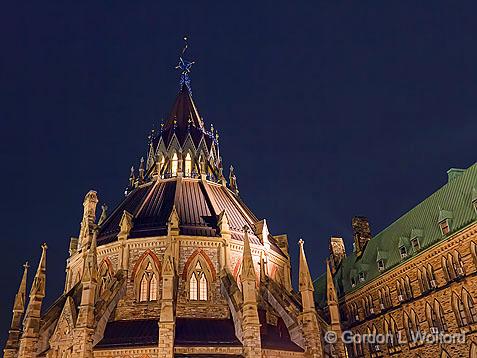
(233,180)
(185,67)
(38,287)
(12,345)
(19,305)
(305,282)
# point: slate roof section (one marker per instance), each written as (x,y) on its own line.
(454,197)
(133,333)
(196,332)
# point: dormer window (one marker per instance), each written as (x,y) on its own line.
(353,281)
(416,246)
(445,228)
(361,277)
(381,265)
(403,252)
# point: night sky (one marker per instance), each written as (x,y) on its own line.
(327,110)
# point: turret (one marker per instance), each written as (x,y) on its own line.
(31,323)
(308,316)
(250,322)
(13,341)
(89,216)
(85,323)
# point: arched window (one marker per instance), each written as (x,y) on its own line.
(188,165)
(198,285)
(459,310)
(161,165)
(148,284)
(469,306)
(174,164)
(435,317)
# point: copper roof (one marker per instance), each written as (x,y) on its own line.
(198,204)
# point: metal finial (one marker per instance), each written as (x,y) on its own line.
(185,67)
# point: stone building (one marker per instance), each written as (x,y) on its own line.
(415,283)
(183,268)
(180,268)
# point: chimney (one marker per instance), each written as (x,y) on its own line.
(361,233)
(337,252)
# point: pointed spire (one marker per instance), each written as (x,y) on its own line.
(223,222)
(331,297)
(233,180)
(20,297)
(173,222)
(125,224)
(141,170)
(305,282)
(132,177)
(248,271)
(38,287)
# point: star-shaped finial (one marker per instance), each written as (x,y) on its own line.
(185,67)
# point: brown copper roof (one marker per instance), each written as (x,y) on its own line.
(183,110)
(198,204)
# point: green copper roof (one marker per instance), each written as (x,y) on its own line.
(455,198)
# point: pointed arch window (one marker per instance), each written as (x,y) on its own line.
(435,317)
(148,286)
(469,306)
(459,310)
(198,284)
(174,164)
(188,165)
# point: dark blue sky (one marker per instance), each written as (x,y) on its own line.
(327,109)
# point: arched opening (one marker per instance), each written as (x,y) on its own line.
(198,284)
(174,164)
(188,165)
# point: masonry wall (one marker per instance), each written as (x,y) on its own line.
(462,243)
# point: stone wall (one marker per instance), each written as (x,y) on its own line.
(443,294)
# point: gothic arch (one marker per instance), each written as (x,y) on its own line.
(198,273)
(459,310)
(106,273)
(469,305)
(193,258)
(146,276)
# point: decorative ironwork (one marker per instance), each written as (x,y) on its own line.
(185,67)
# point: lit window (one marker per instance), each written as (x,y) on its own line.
(380,265)
(198,286)
(148,285)
(403,252)
(188,165)
(174,165)
(353,281)
(143,294)
(193,288)
(416,246)
(444,225)
(361,277)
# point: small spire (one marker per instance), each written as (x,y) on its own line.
(132,177)
(248,271)
(141,170)
(305,282)
(90,269)
(38,287)
(19,305)
(233,180)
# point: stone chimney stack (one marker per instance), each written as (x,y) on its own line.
(361,233)
(337,252)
